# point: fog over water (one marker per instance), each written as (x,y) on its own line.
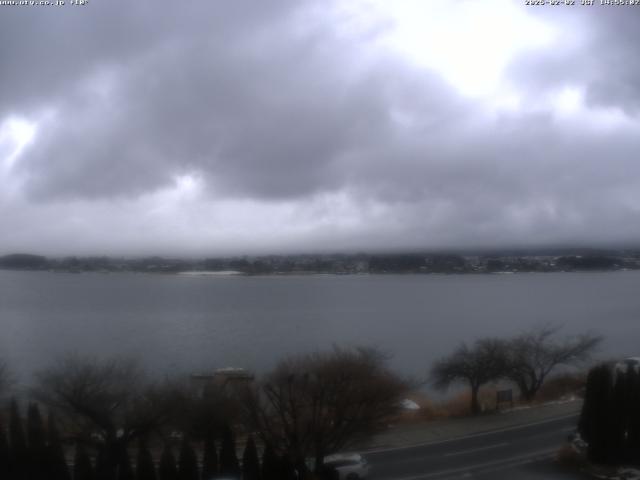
(177,324)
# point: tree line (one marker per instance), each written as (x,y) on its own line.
(37,453)
(526,360)
(120,425)
(417,262)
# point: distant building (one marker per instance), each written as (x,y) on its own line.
(222,377)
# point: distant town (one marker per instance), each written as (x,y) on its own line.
(451,263)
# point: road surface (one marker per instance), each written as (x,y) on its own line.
(521,452)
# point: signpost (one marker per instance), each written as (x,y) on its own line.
(504,396)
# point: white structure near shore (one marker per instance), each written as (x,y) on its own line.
(207,273)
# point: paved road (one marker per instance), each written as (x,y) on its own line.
(522,452)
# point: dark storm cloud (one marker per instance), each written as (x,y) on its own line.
(267,125)
(45,52)
(137,93)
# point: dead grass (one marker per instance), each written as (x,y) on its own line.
(561,387)
(458,405)
(453,407)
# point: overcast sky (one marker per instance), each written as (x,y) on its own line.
(226,127)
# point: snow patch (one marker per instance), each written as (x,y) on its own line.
(623,367)
(408,404)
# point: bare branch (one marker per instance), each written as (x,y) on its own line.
(6,378)
(484,362)
(534,354)
(319,403)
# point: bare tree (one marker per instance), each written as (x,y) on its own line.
(533,355)
(105,402)
(316,404)
(477,365)
(6,378)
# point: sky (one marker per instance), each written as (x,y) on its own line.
(242,127)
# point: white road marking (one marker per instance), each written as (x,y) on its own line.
(479,449)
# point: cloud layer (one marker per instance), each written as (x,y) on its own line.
(241,127)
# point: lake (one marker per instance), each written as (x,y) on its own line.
(180,324)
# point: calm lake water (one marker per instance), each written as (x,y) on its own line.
(177,324)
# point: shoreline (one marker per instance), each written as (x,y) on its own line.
(236,273)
